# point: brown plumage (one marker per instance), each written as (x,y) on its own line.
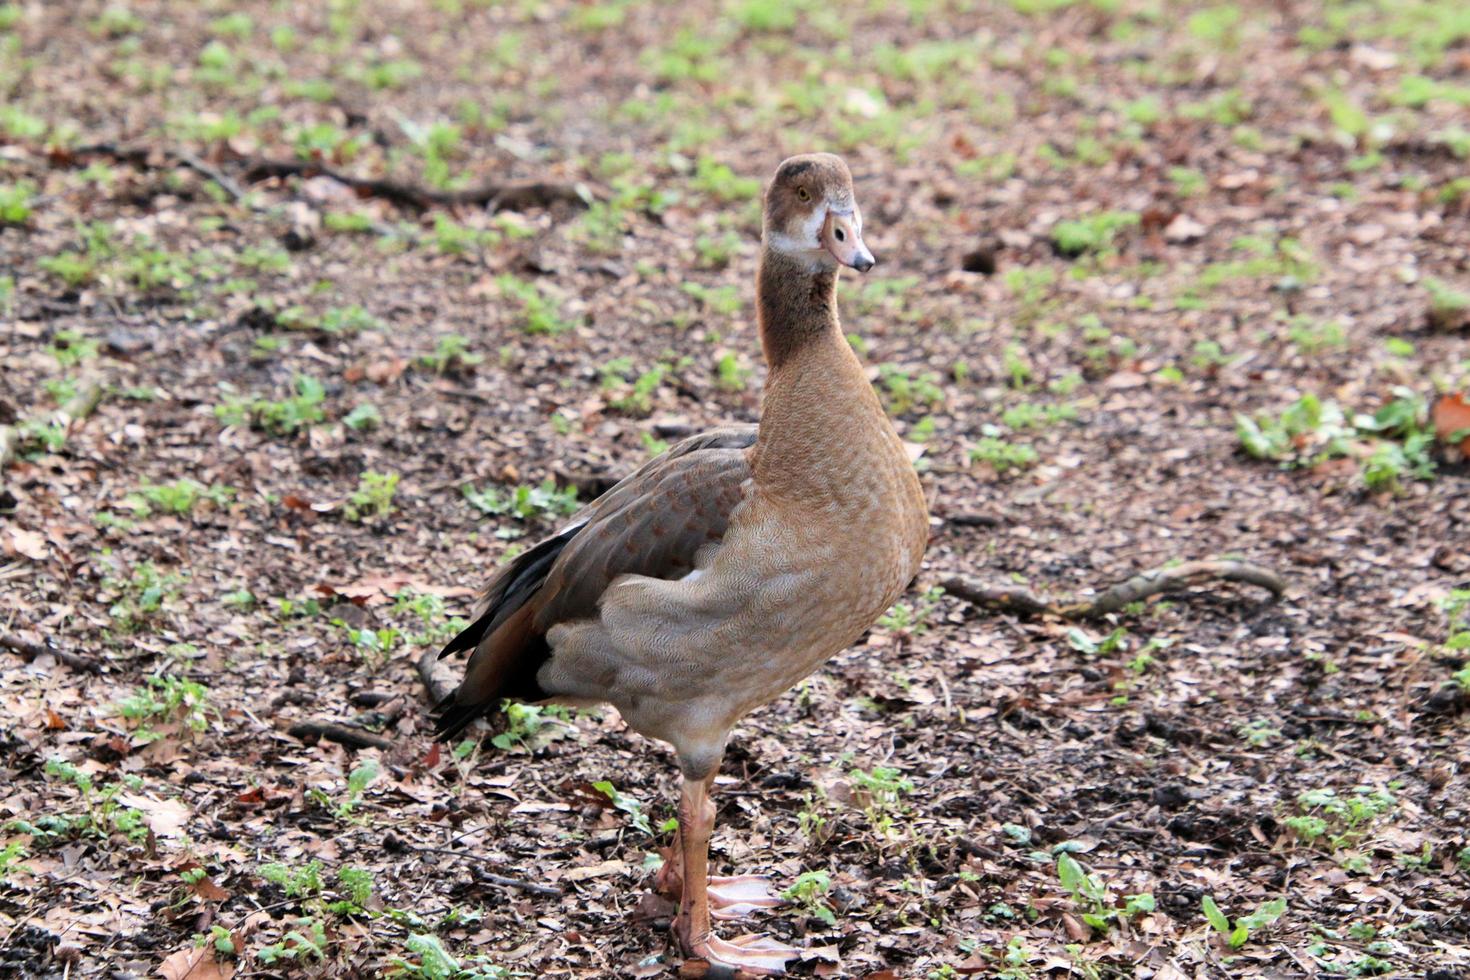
(722,572)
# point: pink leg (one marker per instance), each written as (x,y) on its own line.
(753,954)
(729,898)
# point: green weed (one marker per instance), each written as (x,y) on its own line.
(373,498)
(181,497)
(141,597)
(451,353)
(1093,233)
(1240,934)
(1094,900)
(164,699)
(16,201)
(1001,455)
(285,417)
(809,894)
(632,808)
(528,503)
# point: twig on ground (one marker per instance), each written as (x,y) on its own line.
(1166,578)
(30,651)
(226,184)
(493,195)
(80,405)
(437,676)
(525,886)
(341,734)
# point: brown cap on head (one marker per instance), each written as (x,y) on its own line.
(812,213)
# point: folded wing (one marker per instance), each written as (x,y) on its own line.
(661,521)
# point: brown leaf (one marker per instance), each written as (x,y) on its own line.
(28,544)
(194,963)
(1452,415)
(1077,930)
(207,889)
(166,818)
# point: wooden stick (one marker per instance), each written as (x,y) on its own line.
(494,195)
(437,676)
(1165,578)
(341,734)
(30,651)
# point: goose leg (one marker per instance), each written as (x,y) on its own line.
(729,898)
(752,954)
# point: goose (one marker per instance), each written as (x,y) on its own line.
(719,574)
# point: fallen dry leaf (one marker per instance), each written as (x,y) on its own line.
(1451,417)
(166,818)
(194,963)
(28,544)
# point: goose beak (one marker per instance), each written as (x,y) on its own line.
(842,236)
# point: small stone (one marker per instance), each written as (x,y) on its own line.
(1184,229)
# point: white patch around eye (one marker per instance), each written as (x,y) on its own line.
(808,245)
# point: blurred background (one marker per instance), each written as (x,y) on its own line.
(313,313)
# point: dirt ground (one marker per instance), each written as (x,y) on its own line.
(288,371)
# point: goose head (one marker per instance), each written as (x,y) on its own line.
(811,214)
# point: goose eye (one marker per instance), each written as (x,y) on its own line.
(803,194)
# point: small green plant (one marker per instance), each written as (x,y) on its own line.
(357,886)
(1280,438)
(303,882)
(373,497)
(538,315)
(358,780)
(180,497)
(903,392)
(1238,936)
(1448,307)
(10,857)
(530,727)
(103,814)
(809,893)
(627,804)
(1335,821)
(375,646)
(906,618)
(1312,337)
(1259,733)
(71,348)
(1094,233)
(1115,642)
(308,941)
(363,417)
(528,503)
(1001,455)
(285,417)
(880,794)
(16,201)
(451,353)
(720,182)
(1030,415)
(1093,897)
(168,698)
(141,596)
(433,962)
(729,375)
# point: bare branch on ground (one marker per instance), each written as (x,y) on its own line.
(355,738)
(493,195)
(1155,581)
(30,651)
